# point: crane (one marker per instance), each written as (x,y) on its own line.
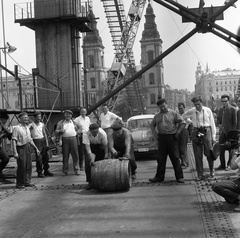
(123,31)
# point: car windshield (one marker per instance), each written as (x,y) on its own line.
(140,123)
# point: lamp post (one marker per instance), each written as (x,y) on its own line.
(85,87)
(7,49)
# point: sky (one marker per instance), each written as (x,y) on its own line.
(179,66)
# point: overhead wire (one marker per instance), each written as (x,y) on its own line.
(181,34)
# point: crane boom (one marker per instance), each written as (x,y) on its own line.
(124,58)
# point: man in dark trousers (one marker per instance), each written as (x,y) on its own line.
(95,141)
(169,125)
(4,133)
(39,135)
(227,121)
(121,144)
(22,142)
(203,135)
(183,139)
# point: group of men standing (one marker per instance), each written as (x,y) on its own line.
(90,142)
(170,130)
(93,142)
(172,134)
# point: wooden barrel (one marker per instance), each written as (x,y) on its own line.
(111,175)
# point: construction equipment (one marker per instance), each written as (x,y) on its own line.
(123,31)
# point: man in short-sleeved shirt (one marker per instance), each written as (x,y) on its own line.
(107,118)
(169,125)
(22,143)
(95,141)
(68,129)
(83,121)
(38,133)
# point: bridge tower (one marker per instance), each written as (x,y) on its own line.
(57,26)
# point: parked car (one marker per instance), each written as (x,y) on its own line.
(144,142)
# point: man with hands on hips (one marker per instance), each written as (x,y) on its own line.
(22,143)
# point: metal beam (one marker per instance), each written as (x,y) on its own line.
(144,69)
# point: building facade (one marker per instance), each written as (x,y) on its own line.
(211,85)
(13,102)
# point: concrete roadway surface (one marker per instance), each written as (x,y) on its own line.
(60,207)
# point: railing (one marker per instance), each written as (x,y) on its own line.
(41,9)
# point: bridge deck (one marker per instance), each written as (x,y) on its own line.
(60,207)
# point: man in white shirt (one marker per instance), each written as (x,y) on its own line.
(38,133)
(183,139)
(230,190)
(68,130)
(107,118)
(96,144)
(203,135)
(83,121)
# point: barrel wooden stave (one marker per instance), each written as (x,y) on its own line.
(111,175)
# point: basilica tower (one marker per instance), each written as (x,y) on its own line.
(151,47)
(93,58)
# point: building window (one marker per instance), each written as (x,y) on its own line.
(152,99)
(92,98)
(217,89)
(150,56)
(151,79)
(91,61)
(221,82)
(225,88)
(225,82)
(216,83)
(221,88)
(93,82)
(29,100)
(210,83)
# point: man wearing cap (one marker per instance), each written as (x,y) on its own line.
(230,190)
(4,133)
(38,133)
(68,129)
(203,135)
(120,144)
(22,142)
(95,141)
(169,125)
(107,118)
(83,122)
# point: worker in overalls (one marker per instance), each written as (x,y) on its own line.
(95,141)
(121,144)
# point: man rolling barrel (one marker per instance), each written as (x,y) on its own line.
(95,141)
(120,144)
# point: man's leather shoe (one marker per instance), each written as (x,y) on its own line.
(29,185)
(155,180)
(20,186)
(40,175)
(89,187)
(180,180)
(48,173)
(220,167)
